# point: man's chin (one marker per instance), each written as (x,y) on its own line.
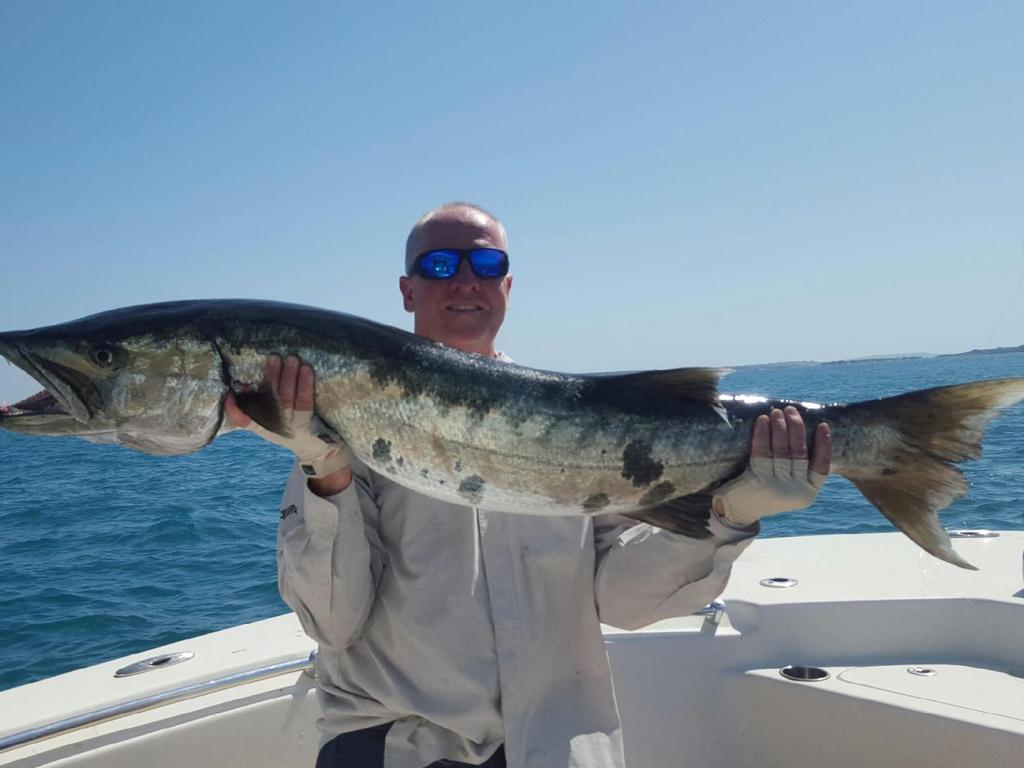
(470,338)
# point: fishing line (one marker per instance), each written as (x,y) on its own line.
(1013,299)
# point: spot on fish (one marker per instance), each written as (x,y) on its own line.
(430,377)
(458,466)
(472,489)
(596,502)
(660,492)
(638,466)
(424,472)
(400,461)
(381,449)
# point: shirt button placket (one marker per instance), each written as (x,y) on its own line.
(503,590)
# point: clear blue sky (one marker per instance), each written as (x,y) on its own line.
(684,183)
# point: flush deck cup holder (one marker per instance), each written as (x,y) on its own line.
(802,674)
(778,582)
(154,662)
(973,533)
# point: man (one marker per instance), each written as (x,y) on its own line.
(450,635)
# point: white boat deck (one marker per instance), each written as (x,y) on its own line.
(864,609)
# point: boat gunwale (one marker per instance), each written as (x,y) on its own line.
(305,664)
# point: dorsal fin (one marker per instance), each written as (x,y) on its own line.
(669,389)
(692,383)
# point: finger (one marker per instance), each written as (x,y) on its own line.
(821,459)
(760,448)
(795,428)
(289,380)
(307,386)
(235,414)
(779,436)
(272,373)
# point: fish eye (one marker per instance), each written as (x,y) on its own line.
(102,356)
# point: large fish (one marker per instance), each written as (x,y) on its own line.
(470,430)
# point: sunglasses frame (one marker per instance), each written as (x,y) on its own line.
(465,254)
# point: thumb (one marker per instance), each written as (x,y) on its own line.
(235,414)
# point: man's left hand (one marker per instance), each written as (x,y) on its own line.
(780,478)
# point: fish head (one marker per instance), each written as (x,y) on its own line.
(140,378)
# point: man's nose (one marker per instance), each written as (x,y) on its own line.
(465,278)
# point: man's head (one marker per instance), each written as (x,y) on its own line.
(464,311)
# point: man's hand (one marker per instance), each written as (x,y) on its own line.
(779,477)
(294,386)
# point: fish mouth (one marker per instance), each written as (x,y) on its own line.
(39,411)
(68,393)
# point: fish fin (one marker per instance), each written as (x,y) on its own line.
(261,406)
(910,499)
(915,476)
(693,383)
(688,515)
(669,392)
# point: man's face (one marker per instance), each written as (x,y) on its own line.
(466,311)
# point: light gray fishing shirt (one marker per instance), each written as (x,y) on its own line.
(470,629)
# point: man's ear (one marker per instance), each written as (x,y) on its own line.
(405,286)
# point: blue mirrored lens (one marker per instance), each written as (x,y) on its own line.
(440,265)
(488,262)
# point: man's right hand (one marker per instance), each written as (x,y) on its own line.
(294,386)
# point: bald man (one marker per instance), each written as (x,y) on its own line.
(453,636)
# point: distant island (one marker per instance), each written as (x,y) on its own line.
(884,358)
(993,351)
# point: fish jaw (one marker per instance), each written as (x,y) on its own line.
(40,415)
(60,412)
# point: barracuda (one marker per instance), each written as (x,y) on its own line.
(652,445)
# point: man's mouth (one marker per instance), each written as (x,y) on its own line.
(465,308)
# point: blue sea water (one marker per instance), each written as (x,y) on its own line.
(106,552)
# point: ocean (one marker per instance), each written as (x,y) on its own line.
(107,552)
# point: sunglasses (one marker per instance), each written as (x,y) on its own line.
(444,263)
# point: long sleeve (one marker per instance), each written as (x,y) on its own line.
(645,574)
(329,559)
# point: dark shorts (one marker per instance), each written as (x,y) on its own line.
(365,749)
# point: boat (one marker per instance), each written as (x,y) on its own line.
(842,651)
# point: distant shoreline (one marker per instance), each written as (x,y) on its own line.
(887,358)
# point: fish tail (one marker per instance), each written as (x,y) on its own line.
(917,439)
